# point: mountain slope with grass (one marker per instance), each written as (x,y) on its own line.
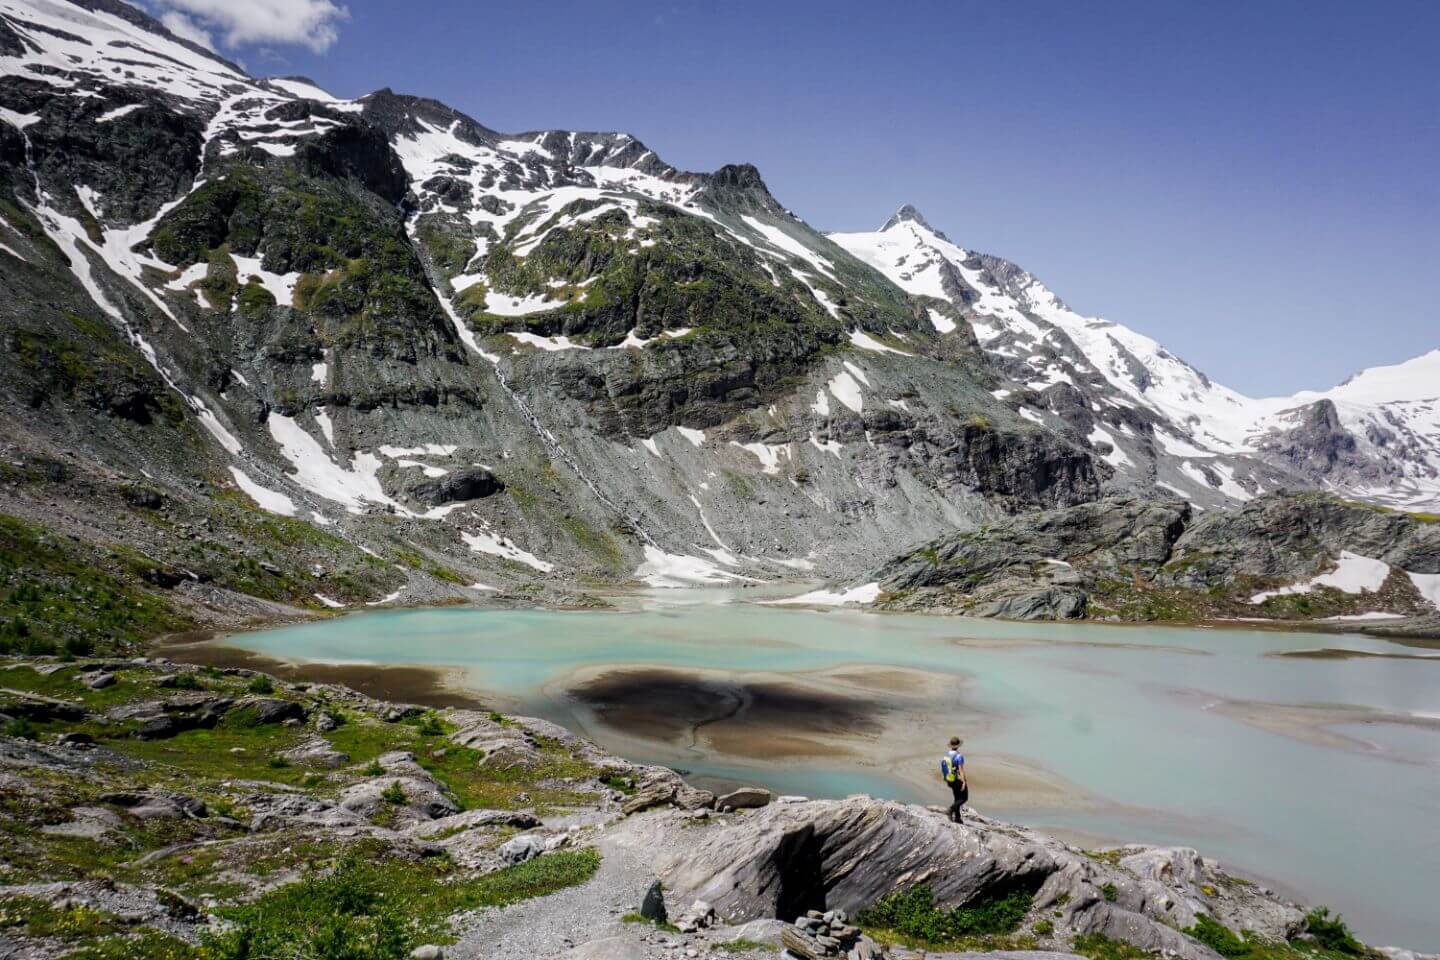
(272,353)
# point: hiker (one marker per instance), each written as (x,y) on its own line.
(952,768)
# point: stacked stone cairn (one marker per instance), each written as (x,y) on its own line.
(819,935)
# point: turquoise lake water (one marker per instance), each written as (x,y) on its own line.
(1134,717)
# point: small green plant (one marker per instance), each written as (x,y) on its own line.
(1097,946)
(912,913)
(373,769)
(1109,892)
(261,686)
(372,908)
(665,925)
(1332,933)
(21,729)
(618,783)
(1218,937)
(1044,928)
(188,681)
(394,793)
(278,763)
(741,946)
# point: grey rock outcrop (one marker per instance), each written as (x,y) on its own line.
(471,483)
(1140,559)
(787,859)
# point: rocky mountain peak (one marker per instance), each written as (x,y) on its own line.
(909,213)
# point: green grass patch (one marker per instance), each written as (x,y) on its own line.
(914,917)
(1097,946)
(1332,934)
(741,945)
(634,917)
(1332,940)
(37,918)
(368,909)
(58,595)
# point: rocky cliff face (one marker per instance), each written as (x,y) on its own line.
(350,352)
(1287,557)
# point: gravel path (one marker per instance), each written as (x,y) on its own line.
(550,926)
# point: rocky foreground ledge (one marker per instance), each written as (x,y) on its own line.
(152,809)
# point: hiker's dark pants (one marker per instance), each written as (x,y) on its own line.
(961,793)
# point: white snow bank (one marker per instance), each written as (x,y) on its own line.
(424,450)
(864,341)
(847,391)
(388,598)
(940,322)
(281,286)
(865,593)
(486,542)
(1429,586)
(119,112)
(697,437)
(767,453)
(316,472)
(673,571)
(504,305)
(1116,457)
(1353,574)
(264,497)
(780,239)
(1373,615)
(548,343)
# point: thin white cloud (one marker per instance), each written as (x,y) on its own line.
(309,23)
(187,29)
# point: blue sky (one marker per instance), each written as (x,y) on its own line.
(1253,184)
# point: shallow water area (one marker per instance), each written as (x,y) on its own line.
(1322,774)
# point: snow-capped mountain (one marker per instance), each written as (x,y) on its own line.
(542,358)
(1376,437)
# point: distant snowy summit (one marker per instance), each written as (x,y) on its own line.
(1376,436)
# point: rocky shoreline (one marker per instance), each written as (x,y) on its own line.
(149,802)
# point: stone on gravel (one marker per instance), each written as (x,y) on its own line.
(258,711)
(655,795)
(157,805)
(471,819)
(697,916)
(428,952)
(98,680)
(528,846)
(316,752)
(652,908)
(746,798)
(765,931)
(607,948)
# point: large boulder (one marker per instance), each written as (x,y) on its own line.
(786,859)
(470,483)
(316,751)
(258,711)
(161,719)
(746,798)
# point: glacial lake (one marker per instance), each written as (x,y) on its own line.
(1316,775)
